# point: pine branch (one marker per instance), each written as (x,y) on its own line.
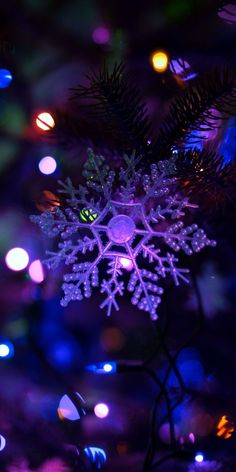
(194,109)
(114,103)
(204,176)
(73,129)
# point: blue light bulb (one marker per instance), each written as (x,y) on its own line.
(96,456)
(6,349)
(5,78)
(102,368)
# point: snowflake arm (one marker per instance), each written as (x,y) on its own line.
(85,274)
(149,289)
(112,286)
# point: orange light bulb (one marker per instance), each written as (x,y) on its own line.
(159,60)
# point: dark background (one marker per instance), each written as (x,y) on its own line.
(48,46)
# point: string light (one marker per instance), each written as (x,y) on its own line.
(48,201)
(6,349)
(17,259)
(126,263)
(45,121)
(159,60)
(101,410)
(88,215)
(199,457)
(2,443)
(182,69)
(96,456)
(36,271)
(228,13)
(102,368)
(5,78)
(225,428)
(71,410)
(47,165)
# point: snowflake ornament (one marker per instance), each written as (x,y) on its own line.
(129,223)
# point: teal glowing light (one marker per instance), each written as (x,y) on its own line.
(96,456)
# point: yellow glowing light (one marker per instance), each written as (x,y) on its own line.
(225,428)
(159,61)
(45,121)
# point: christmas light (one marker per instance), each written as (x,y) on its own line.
(88,214)
(225,428)
(96,456)
(47,165)
(45,121)
(2,443)
(71,410)
(159,60)
(5,78)
(126,263)
(228,13)
(102,368)
(101,410)
(6,349)
(182,69)
(101,35)
(36,271)
(199,457)
(17,259)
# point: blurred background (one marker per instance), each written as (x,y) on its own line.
(46,48)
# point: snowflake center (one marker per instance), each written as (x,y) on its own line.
(120,229)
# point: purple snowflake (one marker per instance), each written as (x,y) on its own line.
(128,222)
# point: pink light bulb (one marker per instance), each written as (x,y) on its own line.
(101,410)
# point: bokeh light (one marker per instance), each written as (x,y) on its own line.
(191,438)
(62,352)
(13,118)
(101,35)
(102,368)
(17,259)
(70,410)
(2,442)
(112,339)
(96,456)
(225,428)
(47,165)
(182,69)
(107,368)
(228,13)
(48,201)
(126,263)
(159,60)
(199,457)
(88,215)
(45,121)
(36,272)
(101,410)
(5,78)
(6,349)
